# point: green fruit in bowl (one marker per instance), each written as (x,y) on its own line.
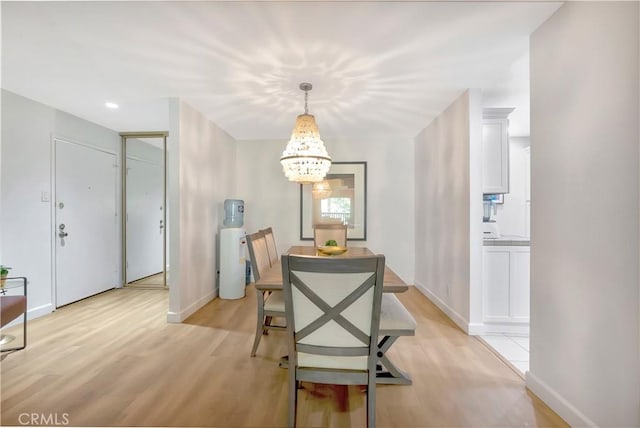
(331,243)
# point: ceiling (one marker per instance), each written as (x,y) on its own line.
(378,68)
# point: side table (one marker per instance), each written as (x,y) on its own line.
(12,305)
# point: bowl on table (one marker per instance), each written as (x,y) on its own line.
(331,250)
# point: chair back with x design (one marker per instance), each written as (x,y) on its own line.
(333,316)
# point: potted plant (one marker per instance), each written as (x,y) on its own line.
(4,272)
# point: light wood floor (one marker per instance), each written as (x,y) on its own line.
(112,360)
(154,281)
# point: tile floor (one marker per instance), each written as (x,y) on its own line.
(513,349)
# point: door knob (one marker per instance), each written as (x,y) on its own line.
(161,225)
(61,232)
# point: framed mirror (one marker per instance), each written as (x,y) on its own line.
(144,219)
(340,198)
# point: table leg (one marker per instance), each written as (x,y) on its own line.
(386,371)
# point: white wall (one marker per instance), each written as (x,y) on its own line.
(143,150)
(201,176)
(448,203)
(271,200)
(512,216)
(475,211)
(27,131)
(585,213)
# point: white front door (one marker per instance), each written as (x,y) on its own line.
(144,219)
(85,222)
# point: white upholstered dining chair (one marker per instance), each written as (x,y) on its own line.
(333,318)
(325,232)
(270,303)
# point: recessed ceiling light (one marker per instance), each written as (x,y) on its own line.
(111,105)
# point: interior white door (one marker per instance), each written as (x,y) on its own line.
(144,219)
(85,235)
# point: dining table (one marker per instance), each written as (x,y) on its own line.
(395,319)
(272,278)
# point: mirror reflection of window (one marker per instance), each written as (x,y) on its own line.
(333,200)
(336,208)
(344,180)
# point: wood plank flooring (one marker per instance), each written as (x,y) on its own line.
(152,281)
(112,360)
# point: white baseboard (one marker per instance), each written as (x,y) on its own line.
(473,329)
(178,317)
(32,314)
(174,317)
(558,403)
(42,310)
(451,313)
(477,329)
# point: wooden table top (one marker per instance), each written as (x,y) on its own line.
(272,278)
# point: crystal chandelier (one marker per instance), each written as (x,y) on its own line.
(305,160)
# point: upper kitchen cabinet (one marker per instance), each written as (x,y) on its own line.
(495,150)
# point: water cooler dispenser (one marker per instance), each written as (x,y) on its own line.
(489,225)
(233,247)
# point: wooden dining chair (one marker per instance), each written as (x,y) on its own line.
(270,303)
(325,232)
(271,245)
(333,318)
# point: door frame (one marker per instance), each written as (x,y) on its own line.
(123,190)
(52,205)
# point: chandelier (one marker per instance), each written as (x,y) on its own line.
(321,190)
(305,160)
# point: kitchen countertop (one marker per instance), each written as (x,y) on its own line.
(507,240)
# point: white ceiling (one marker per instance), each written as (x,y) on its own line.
(378,68)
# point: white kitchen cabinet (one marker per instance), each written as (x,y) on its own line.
(495,150)
(505,283)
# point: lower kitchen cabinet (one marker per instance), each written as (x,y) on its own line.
(505,286)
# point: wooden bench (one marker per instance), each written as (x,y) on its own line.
(395,321)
